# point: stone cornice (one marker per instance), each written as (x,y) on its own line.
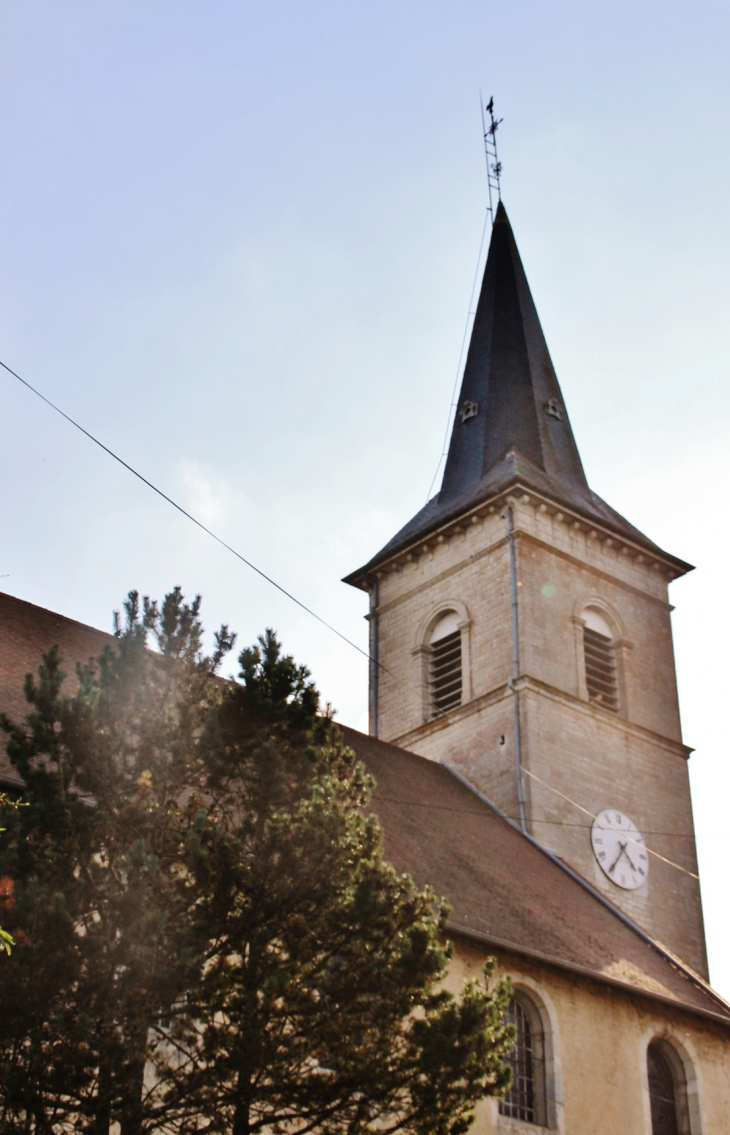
(529,684)
(522,534)
(454,718)
(585,565)
(670,566)
(605,716)
(494,943)
(445,574)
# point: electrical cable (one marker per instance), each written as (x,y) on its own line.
(189,515)
(470,313)
(453,721)
(550,823)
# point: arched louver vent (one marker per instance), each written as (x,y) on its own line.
(600,661)
(445,671)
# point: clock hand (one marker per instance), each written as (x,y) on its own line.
(623,849)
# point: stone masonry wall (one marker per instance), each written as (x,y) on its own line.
(597,1037)
(633,760)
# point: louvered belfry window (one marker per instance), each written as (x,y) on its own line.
(445,665)
(600,661)
(519,1103)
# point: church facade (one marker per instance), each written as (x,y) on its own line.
(520,634)
(526,749)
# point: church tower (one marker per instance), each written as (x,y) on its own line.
(520,632)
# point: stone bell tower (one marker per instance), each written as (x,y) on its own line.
(521,632)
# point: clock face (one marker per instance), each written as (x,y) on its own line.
(619,847)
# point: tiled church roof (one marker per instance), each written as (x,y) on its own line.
(503,889)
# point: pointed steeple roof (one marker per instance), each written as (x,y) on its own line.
(511,425)
(510,398)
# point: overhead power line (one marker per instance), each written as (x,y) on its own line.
(469,315)
(184,512)
(199,524)
(430,806)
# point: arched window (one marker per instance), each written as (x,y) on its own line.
(600,661)
(526,1098)
(445,664)
(667,1090)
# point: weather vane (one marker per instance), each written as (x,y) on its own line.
(494,165)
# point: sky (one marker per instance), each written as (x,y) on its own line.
(238,246)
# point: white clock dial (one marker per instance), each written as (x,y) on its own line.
(619,847)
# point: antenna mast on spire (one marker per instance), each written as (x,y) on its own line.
(494,165)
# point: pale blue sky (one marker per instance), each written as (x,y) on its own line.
(238,244)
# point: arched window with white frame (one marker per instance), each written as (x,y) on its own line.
(600,660)
(445,664)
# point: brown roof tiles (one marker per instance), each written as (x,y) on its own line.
(26,632)
(504,889)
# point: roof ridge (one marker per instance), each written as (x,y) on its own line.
(54,614)
(657,946)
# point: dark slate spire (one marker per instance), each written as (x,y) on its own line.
(511,425)
(509,385)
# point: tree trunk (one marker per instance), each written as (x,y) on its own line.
(103,1115)
(242,1113)
(130,1120)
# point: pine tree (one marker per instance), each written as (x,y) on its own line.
(97,865)
(209,937)
(6,895)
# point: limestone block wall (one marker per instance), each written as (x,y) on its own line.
(597,1040)
(578,541)
(561,569)
(480,745)
(553,594)
(597,760)
(633,760)
(586,756)
(470,572)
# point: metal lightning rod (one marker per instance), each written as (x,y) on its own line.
(494,166)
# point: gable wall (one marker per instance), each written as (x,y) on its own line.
(599,1037)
